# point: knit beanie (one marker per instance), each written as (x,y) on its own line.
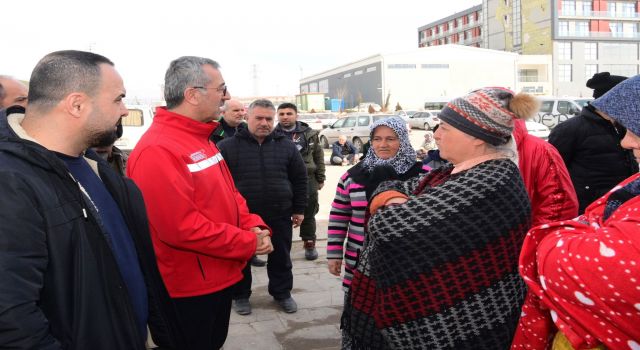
(603,82)
(488,113)
(622,103)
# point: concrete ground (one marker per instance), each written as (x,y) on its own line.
(316,325)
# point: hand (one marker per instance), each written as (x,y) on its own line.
(395,200)
(297,219)
(320,186)
(264,245)
(255,229)
(335,266)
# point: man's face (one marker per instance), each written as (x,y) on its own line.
(213,95)
(287,117)
(16,93)
(260,122)
(234,113)
(107,107)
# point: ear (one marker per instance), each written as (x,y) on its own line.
(76,104)
(192,96)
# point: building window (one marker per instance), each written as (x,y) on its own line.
(626,70)
(527,75)
(590,70)
(347,75)
(517,24)
(582,28)
(568,8)
(618,52)
(616,29)
(564,72)
(563,28)
(621,9)
(583,8)
(591,51)
(564,51)
(313,87)
(371,69)
(304,89)
(401,66)
(324,86)
(358,72)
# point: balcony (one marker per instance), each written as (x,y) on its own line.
(628,15)
(598,35)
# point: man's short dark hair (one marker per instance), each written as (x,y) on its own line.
(288,105)
(264,103)
(62,72)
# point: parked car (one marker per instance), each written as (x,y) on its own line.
(426,120)
(405,113)
(134,126)
(354,126)
(311,119)
(555,110)
(537,129)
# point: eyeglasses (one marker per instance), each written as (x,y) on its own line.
(222,89)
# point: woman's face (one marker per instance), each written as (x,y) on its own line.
(385,142)
(631,141)
(454,145)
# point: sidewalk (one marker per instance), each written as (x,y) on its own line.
(316,325)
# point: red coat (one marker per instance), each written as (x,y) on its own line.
(583,279)
(546,178)
(199,221)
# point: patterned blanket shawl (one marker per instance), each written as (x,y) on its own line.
(440,271)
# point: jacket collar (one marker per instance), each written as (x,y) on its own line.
(182,123)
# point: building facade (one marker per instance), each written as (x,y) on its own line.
(584,37)
(427,74)
(462,28)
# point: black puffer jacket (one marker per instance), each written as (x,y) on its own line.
(271,176)
(590,147)
(60,285)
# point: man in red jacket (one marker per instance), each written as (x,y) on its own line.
(202,230)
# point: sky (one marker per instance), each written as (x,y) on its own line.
(263,47)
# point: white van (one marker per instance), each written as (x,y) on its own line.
(134,125)
(555,110)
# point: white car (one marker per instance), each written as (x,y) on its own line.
(426,120)
(537,129)
(134,125)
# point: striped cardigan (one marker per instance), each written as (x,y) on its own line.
(347,219)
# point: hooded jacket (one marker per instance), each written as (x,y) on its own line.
(199,221)
(271,176)
(545,177)
(61,286)
(590,148)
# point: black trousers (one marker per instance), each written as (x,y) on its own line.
(205,319)
(308,226)
(278,263)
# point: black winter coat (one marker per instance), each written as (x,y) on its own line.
(60,284)
(271,176)
(590,147)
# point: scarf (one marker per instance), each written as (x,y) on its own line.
(406,156)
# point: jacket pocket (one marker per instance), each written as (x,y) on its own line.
(204,277)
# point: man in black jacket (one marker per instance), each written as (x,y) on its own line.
(78,267)
(307,142)
(270,174)
(590,147)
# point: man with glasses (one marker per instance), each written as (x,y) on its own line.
(201,228)
(307,142)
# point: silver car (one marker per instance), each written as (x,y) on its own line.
(424,120)
(354,126)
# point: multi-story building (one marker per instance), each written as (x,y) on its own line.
(463,28)
(583,36)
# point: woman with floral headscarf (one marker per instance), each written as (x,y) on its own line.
(390,157)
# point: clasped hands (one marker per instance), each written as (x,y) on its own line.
(263,244)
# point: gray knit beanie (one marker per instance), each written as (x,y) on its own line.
(622,103)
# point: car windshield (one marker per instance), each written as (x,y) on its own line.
(583,102)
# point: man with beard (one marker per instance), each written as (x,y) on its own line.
(108,151)
(78,267)
(307,142)
(201,227)
(12,92)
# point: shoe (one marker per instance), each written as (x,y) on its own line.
(288,305)
(242,306)
(257,262)
(310,252)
